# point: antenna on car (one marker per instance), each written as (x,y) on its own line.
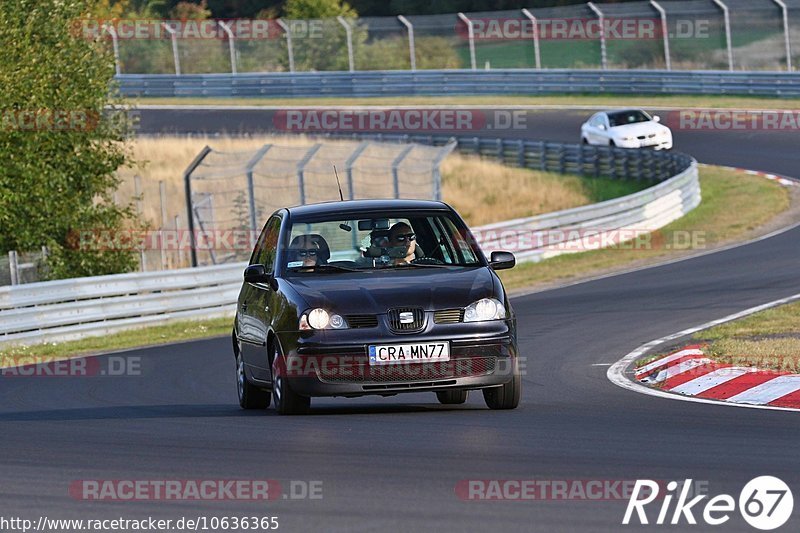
(341,196)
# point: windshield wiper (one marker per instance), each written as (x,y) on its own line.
(331,268)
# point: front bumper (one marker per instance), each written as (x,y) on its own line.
(318,368)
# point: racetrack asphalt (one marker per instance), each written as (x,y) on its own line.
(393,464)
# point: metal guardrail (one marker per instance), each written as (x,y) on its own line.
(69,309)
(462,82)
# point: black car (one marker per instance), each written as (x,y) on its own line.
(373,297)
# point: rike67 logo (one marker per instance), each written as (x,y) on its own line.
(765,503)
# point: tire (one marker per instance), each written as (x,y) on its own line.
(611,143)
(452,397)
(506,396)
(584,140)
(250,397)
(287,402)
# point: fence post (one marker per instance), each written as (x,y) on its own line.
(396,164)
(412,51)
(665,32)
(115,44)
(12,267)
(301,166)
(348,167)
(437,161)
(786,36)
(536,52)
(187,183)
(137,191)
(162,196)
(726,16)
(288,33)
(349,34)
(471,36)
(231,46)
(251,191)
(174,37)
(602,20)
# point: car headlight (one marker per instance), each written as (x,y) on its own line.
(626,138)
(485,309)
(321,319)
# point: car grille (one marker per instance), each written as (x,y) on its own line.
(362,321)
(448,316)
(406,319)
(403,373)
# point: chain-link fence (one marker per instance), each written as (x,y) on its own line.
(17,268)
(647,34)
(232,193)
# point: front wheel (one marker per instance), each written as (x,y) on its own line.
(250,397)
(452,397)
(505,396)
(287,402)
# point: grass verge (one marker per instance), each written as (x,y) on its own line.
(677,101)
(153,335)
(769,339)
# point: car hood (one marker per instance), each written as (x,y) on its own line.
(637,129)
(377,291)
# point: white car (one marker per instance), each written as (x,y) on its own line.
(627,128)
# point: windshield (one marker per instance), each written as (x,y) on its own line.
(393,240)
(621,118)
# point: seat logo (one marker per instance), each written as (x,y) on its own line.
(406,317)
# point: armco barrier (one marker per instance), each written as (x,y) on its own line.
(462,82)
(73,308)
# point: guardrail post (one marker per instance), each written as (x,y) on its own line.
(664,31)
(251,191)
(287,32)
(412,51)
(602,19)
(536,52)
(396,165)
(13,267)
(786,37)
(727,18)
(174,38)
(115,44)
(231,46)
(301,166)
(436,163)
(349,34)
(187,184)
(471,37)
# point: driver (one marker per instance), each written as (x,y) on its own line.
(403,238)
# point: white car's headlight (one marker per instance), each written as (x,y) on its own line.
(485,309)
(321,319)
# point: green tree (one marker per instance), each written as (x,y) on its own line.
(59,151)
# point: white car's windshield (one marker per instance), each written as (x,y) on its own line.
(396,240)
(621,118)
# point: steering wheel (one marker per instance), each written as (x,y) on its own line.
(426,261)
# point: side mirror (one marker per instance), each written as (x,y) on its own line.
(256,274)
(502,260)
(656,118)
(601,127)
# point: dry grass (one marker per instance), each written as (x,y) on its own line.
(482,191)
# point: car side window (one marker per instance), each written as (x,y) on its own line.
(267,246)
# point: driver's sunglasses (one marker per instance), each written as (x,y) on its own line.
(405,236)
(304,253)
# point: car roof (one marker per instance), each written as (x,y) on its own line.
(357,206)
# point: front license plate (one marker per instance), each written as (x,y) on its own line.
(392,354)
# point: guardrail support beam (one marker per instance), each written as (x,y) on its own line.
(602,19)
(664,31)
(412,51)
(729,43)
(536,52)
(471,37)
